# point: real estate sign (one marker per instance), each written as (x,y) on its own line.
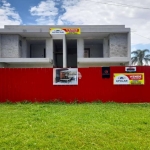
(128,79)
(65,76)
(65,31)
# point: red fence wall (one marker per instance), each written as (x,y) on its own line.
(19,84)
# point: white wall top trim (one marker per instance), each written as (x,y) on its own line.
(104,60)
(44,30)
(26,60)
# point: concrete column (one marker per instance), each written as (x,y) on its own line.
(24,48)
(49,48)
(105,48)
(80,48)
(129,47)
(20,46)
(64,52)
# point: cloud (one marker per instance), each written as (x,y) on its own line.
(8,15)
(97,12)
(45,11)
(92,12)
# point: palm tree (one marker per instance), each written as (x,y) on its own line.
(140,57)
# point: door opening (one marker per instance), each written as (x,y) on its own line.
(71,53)
(58,53)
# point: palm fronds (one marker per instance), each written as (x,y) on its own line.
(140,57)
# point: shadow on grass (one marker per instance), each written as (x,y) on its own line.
(76,101)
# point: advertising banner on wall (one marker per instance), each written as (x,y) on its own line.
(65,76)
(65,31)
(128,79)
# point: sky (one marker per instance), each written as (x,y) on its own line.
(133,14)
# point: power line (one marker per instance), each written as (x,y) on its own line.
(141,36)
(122,5)
(129,5)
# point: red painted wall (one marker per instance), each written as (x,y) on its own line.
(36,84)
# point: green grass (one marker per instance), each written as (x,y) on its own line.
(94,126)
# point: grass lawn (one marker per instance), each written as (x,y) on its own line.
(94,126)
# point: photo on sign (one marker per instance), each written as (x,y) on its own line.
(65,76)
(57,31)
(128,79)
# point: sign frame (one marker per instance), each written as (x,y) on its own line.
(128,79)
(130,69)
(65,31)
(65,76)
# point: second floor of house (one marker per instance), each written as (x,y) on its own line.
(94,43)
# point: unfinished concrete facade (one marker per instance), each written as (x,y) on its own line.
(34,46)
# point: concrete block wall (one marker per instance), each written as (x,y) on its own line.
(118,45)
(10,46)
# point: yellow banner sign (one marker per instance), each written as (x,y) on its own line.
(65,31)
(128,78)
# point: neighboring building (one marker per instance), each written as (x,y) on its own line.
(90,46)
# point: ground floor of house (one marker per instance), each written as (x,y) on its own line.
(118,84)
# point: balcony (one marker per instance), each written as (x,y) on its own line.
(103,61)
(26,60)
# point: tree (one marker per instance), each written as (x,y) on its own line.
(140,57)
